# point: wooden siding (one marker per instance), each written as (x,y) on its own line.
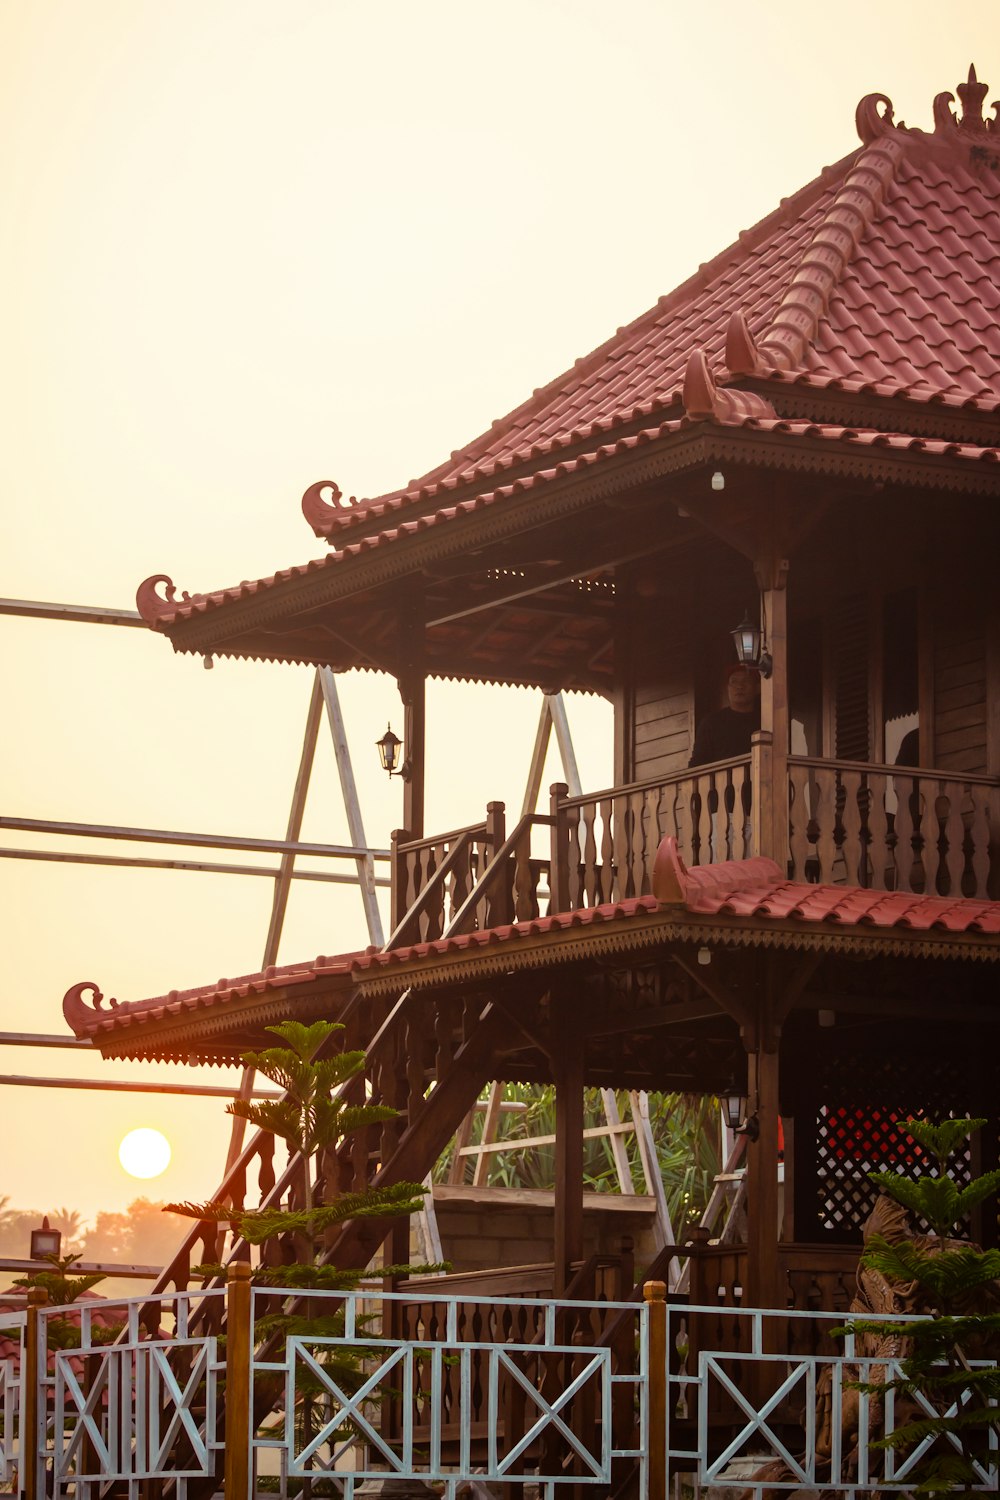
(960,716)
(662,727)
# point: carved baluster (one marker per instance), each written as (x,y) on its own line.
(707,801)
(952,799)
(992,834)
(927,834)
(851,846)
(746,811)
(265,1164)
(622,846)
(905,831)
(590,876)
(643,824)
(574,860)
(881,873)
(607,886)
(976,863)
(798,838)
(680,815)
(726,814)
(825,788)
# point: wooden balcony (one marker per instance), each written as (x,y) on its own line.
(849,823)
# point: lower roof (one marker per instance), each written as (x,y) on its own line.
(737,905)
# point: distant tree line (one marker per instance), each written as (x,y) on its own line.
(142,1235)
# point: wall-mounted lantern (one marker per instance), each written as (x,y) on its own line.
(45,1241)
(751,647)
(734,1107)
(389,747)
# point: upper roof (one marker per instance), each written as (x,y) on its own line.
(866,305)
(735,904)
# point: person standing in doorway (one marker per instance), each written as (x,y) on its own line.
(726,733)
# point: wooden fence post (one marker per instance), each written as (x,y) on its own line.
(238,1337)
(655,1293)
(32,1400)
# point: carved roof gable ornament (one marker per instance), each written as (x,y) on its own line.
(705,401)
(970,132)
(323,503)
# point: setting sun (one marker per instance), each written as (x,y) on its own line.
(144,1153)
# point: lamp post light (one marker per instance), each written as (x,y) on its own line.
(45,1242)
(389,747)
(734,1106)
(751,647)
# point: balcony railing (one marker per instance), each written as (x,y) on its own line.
(849,823)
(891,828)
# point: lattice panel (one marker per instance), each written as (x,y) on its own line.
(855,1138)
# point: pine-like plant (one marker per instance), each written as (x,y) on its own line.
(948,1389)
(62,1288)
(312,1117)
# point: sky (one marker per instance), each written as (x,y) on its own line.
(249,245)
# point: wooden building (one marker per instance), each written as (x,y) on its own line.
(809,428)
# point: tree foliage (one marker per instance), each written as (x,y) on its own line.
(949,1385)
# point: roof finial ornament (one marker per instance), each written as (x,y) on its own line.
(81,1016)
(704,401)
(741,348)
(152,605)
(972,127)
(321,502)
(871,120)
(973,94)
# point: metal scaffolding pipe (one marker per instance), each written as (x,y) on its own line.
(195,840)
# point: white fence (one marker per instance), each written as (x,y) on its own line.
(441,1406)
(345,1387)
(741,1406)
(11,1327)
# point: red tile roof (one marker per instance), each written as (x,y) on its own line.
(792,439)
(879,279)
(738,901)
(885,270)
(10,1346)
(94,1021)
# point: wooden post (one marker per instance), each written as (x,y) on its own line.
(399,892)
(762,792)
(568,1068)
(413,691)
(501,903)
(558,858)
(772,575)
(238,1337)
(763,1288)
(32,1401)
(655,1293)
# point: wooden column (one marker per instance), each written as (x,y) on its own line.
(763,1273)
(412,689)
(772,573)
(236,1483)
(655,1294)
(568,1067)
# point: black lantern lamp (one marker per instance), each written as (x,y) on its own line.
(45,1241)
(751,647)
(389,747)
(734,1106)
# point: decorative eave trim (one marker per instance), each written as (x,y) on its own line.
(696,445)
(664,930)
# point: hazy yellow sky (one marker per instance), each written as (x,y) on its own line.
(248,245)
